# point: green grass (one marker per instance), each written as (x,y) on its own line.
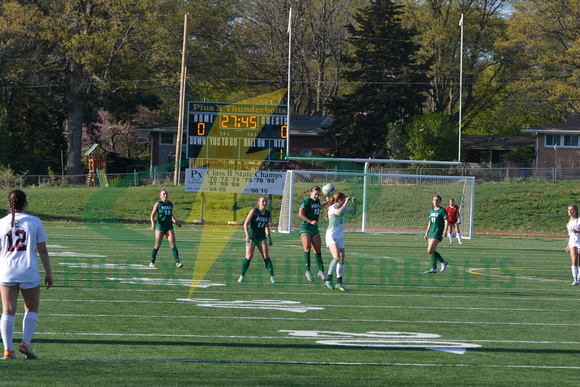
(112,320)
(524,207)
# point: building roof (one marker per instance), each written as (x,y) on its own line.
(299,126)
(570,126)
(487,142)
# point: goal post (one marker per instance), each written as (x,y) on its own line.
(387,203)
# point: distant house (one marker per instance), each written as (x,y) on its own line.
(557,144)
(484,148)
(304,139)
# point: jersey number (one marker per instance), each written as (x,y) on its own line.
(19,241)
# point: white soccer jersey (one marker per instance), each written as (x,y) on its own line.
(574,240)
(335,228)
(18,256)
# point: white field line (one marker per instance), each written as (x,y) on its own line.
(308,363)
(267,337)
(316,319)
(340,306)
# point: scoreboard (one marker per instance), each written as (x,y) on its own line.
(236,131)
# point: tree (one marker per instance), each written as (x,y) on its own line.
(488,65)
(432,137)
(387,84)
(318,42)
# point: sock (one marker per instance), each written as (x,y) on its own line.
(339,280)
(438,257)
(175,254)
(339,271)
(319,263)
(154,254)
(7,329)
(307,260)
(450,237)
(459,236)
(575,272)
(269,267)
(331,267)
(433,262)
(29,326)
(245,266)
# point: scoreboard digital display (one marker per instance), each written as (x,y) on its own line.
(236,131)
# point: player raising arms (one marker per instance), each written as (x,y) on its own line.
(436,229)
(21,237)
(574,241)
(164,226)
(309,234)
(453,220)
(257,228)
(336,214)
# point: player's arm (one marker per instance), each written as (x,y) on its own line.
(43,252)
(175,222)
(152,217)
(247,223)
(302,215)
(342,208)
(324,203)
(427,231)
(268,232)
(446,226)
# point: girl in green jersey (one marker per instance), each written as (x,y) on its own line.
(164,226)
(436,231)
(309,234)
(257,228)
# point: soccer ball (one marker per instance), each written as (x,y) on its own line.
(328,189)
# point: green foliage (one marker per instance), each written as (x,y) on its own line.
(524,154)
(432,137)
(388,84)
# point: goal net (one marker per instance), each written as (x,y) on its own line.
(386,203)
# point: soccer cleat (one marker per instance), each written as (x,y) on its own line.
(576,283)
(323,276)
(8,354)
(241,279)
(27,350)
(152,265)
(273,279)
(460,242)
(443,266)
(309,276)
(179,264)
(451,242)
(432,271)
(329,284)
(341,288)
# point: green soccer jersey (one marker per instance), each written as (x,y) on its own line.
(258,224)
(312,212)
(165,215)
(437,225)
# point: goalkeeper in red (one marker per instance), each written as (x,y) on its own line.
(436,230)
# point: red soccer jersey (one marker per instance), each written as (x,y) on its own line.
(452,213)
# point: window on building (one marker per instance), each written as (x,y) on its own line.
(552,139)
(167,138)
(571,141)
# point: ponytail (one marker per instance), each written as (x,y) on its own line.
(16,201)
(335,198)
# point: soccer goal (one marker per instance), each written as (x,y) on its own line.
(386,203)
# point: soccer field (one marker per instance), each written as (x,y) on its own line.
(502,313)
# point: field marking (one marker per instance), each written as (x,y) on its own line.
(309,363)
(179,300)
(285,306)
(530,278)
(318,319)
(190,336)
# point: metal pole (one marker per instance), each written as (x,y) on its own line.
(460,86)
(181,100)
(288,99)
